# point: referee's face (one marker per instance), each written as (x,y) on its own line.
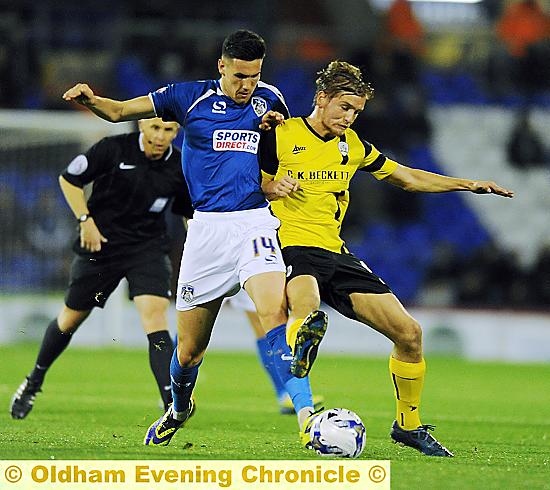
(157,136)
(239,77)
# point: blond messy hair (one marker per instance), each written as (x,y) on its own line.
(340,76)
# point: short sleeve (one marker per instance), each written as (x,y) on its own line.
(98,160)
(376,163)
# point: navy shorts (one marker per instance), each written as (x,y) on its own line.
(92,280)
(338,275)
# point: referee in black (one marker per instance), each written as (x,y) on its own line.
(123,234)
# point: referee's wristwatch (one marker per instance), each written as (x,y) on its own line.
(83,217)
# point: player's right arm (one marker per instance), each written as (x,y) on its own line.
(278,189)
(90,236)
(269,165)
(109,109)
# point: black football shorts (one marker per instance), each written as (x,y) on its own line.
(338,275)
(92,280)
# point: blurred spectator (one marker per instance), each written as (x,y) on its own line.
(492,8)
(525,148)
(540,278)
(48,236)
(12,224)
(522,25)
(439,288)
(51,228)
(380,126)
(524,30)
(493,277)
(414,123)
(405,36)
(295,67)
(405,30)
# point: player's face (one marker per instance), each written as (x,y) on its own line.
(339,112)
(239,78)
(157,136)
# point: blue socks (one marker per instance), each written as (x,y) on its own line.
(298,388)
(183,382)
(266,355)
(276,356)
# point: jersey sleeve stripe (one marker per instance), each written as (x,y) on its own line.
(207,94)
(368,148)
(376,165)
(153,102)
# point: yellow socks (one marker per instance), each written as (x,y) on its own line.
(408,380)
(292,333)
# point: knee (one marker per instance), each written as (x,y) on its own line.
(188,356)
(409,337)
(154,317)
(305,303)
(69,320)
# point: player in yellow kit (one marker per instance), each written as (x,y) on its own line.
(307,165)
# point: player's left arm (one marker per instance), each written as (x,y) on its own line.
(416,180)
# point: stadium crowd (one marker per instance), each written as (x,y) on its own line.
(410,67)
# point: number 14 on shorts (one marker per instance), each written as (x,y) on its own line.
(260,243)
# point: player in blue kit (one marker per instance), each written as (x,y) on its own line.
(231,240)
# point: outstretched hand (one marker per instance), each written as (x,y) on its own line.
(271,119)
(80,93)
(489,187)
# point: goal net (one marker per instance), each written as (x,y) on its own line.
(36,226)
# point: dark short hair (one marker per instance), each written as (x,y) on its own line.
(244,45)
(340,76)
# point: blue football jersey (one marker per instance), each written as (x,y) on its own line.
(221,140)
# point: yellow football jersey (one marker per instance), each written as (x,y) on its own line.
(312,216)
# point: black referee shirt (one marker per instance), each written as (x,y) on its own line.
(130,193)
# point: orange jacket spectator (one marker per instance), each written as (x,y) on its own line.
(404,27)
(521,25)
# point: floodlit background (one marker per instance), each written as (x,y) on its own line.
(462,88)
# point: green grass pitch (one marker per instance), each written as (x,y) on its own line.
(97,404)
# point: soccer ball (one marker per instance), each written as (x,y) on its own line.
(338,432)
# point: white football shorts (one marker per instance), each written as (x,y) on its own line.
(223,250)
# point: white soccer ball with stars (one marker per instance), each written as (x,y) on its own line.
(338,432)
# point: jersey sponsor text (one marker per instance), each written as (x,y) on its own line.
(319,175)
(236,140)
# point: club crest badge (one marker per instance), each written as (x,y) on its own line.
(259,105)
(187,293)
(343,148)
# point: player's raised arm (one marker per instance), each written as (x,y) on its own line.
(110,109)
(416,180)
